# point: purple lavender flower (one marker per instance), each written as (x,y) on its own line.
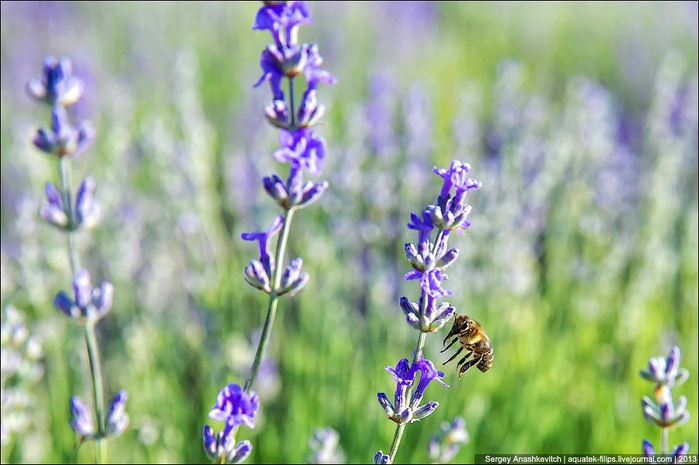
(302,148)
(86,213)
(283,19)
(428,373)
(401,411)
(666,371)
(264,239)
(117,418)
(90,304)
(430,282)
(57,85)
(235,407)
(63,139)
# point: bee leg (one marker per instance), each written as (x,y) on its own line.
(447,347)
(469,364)
(454,356)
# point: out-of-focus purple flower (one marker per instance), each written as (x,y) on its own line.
(283,19)
(57,85)
(63,139)
(90,304)
(444,446)
(86,213)
(666,371)
(302,148)
(264,239)
(53,212)
(81,420)
(117,418)
(664,413)
(235,407)
(325,444)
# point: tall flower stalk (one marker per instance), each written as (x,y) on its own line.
(303,149)
(429,258)
(58,89)
(662,411)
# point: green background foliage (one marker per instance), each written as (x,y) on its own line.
(578,280)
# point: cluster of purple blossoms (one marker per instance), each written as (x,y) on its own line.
(664,413)
(58,88)
(300,146)
(429,258)
(235,407)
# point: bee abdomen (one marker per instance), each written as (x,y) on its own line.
(486,362)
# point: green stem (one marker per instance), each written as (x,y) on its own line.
(97,387)
(664,441)
(273,299)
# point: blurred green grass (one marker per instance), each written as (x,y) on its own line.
(179,126)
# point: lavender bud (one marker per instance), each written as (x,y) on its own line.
(413,257)
(274,185)
(292,280)
(86,134)
(411,312)
(53,212)
(82,288)
(679,451)
(87,211)
(277,114)
(448,258)
(648,449)
(386,404)
(445,312)
(425,411)
(380,458)
(66,305)
(672,363)
(257,277)
(117,418)
(406,416)
(80,417)
(240,452)
(311,193)
(103,298)
(210,443)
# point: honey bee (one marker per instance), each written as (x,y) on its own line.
(472,338)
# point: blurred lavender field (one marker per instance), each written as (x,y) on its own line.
(579,119)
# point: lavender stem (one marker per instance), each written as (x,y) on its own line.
(97,387)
